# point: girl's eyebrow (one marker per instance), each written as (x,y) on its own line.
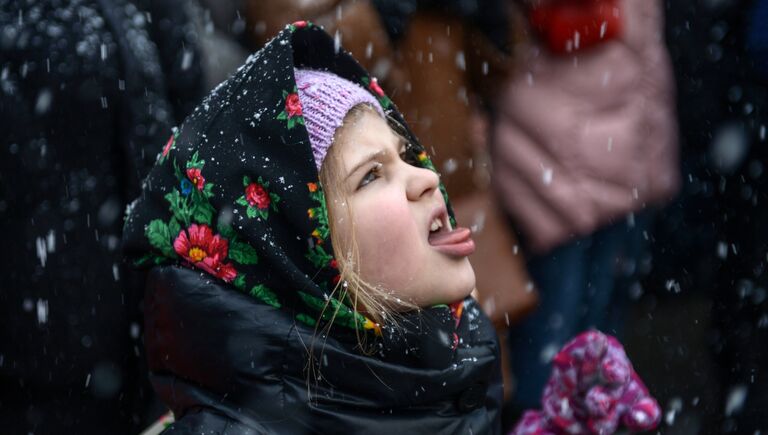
(365,161)
(400,145)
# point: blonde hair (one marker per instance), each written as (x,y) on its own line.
(374,301)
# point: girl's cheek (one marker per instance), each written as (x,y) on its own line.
(388,213)
(386,234)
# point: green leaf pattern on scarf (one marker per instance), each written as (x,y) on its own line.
(189,204)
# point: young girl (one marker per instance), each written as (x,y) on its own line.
(307,274)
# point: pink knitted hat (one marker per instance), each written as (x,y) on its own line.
(325,100)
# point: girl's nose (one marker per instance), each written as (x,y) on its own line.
(421,182)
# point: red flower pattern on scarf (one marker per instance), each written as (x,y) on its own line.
(168,145)
(198,245)
(196,177)
(257,196)
(293,105)
(374,86)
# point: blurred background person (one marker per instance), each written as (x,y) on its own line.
(710,245)
(89,91)
(583,146)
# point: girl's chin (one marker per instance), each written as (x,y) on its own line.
(466,293)
(450,284)
(461,286)
(468,273)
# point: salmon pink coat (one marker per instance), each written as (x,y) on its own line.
(585,138)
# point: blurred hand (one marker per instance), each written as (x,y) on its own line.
(593,388)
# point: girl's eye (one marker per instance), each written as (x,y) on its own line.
(371,175)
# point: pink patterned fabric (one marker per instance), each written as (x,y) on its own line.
(593,389)
(325,100)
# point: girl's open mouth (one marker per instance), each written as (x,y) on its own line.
(454,242)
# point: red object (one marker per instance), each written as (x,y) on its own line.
(376,88)
(567,26)
(257,196)
(198,245)
(293,105)
(168,146)
(196,177)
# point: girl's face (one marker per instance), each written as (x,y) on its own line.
(393,207)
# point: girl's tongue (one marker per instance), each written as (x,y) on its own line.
(457,242)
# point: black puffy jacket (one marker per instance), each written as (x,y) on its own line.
(227,364)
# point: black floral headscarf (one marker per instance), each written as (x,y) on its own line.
(235,192)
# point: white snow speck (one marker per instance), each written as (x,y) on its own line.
(736,398)
(673,286)
(186,59)
(461,62)
(450,166)
(42,250)
(546,176)
(675,406)
(42,311)
(337,41)
(369,50)
(722,250)
(548,352)
(43,103)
